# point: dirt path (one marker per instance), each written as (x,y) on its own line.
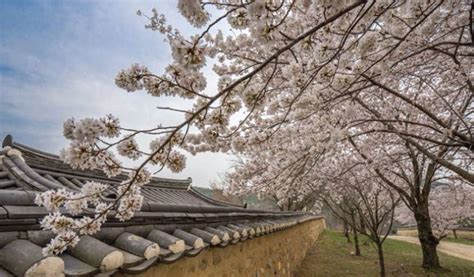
(453,249)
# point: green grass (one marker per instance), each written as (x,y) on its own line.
(461,241)
(331,256)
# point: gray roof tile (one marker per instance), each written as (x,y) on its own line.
(178,219)
(3,213)
(20,255)
(130,260)
(4,273)
(76,267)
(25,211)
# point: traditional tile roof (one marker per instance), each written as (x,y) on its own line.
(175,221)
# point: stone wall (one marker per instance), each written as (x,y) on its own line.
(460,233)
(275,254)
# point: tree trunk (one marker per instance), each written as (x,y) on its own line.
(362,225)
(381,260)
(356,238)
(356,243)
(427,240)
(346,232)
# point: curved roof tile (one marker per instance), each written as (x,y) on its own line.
(175,220)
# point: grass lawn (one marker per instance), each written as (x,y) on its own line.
(331,256)
(462,241)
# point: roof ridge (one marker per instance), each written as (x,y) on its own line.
(9,142)
(212,200)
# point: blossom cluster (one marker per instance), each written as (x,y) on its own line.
(68,228)
(310,95)
(451,205)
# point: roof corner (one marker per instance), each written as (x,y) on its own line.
(190,180)
(7,141)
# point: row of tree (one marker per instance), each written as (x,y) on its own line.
(368,103)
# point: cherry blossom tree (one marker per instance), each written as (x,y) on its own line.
(450,205)
(397,165)
(354,193)
(368,208)
(301,84)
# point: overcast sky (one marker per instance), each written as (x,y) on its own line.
(58,59)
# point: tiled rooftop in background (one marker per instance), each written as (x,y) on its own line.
(175,221)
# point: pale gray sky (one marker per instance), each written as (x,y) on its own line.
(58,59)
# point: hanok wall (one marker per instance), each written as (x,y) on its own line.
(276,254)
